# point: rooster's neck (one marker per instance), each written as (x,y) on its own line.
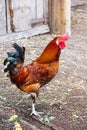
(50,53)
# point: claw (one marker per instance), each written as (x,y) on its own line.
(34,112)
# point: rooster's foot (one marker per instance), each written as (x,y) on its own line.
(35,113)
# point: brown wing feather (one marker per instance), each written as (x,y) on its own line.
(31,77)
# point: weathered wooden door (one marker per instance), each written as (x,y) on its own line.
(19,15)
(26,14)
(23,18)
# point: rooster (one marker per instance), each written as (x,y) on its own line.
(30,78)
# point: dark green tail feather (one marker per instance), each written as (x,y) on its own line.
(14,57)
(9,59)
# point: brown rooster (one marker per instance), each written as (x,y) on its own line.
(30,78)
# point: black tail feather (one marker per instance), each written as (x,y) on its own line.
(14,58)
(20,50)
(5,61)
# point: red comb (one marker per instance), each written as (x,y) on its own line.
(65,36)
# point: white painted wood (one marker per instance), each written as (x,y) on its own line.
(45,6)
(39,8)
(2,17)
(21,3)
(32,32)
(21,19)
(45,10)
(33,10)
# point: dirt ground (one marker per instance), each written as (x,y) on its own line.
(65,97)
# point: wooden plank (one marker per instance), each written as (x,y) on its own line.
(43,16)
(2,17)
(20,14)
(59,16)
(45,6)
(33,9)
(45,11)
(40,20)
(8,17)
(39,8)
(32,32)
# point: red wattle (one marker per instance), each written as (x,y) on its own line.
(62,45)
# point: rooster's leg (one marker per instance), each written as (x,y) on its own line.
(34,112)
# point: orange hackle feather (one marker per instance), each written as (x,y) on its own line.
(50,53)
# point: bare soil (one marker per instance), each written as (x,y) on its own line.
(65,97)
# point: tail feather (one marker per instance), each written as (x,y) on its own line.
(13,54)
(20,50)
(14,57)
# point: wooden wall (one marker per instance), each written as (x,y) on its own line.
(25,18)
